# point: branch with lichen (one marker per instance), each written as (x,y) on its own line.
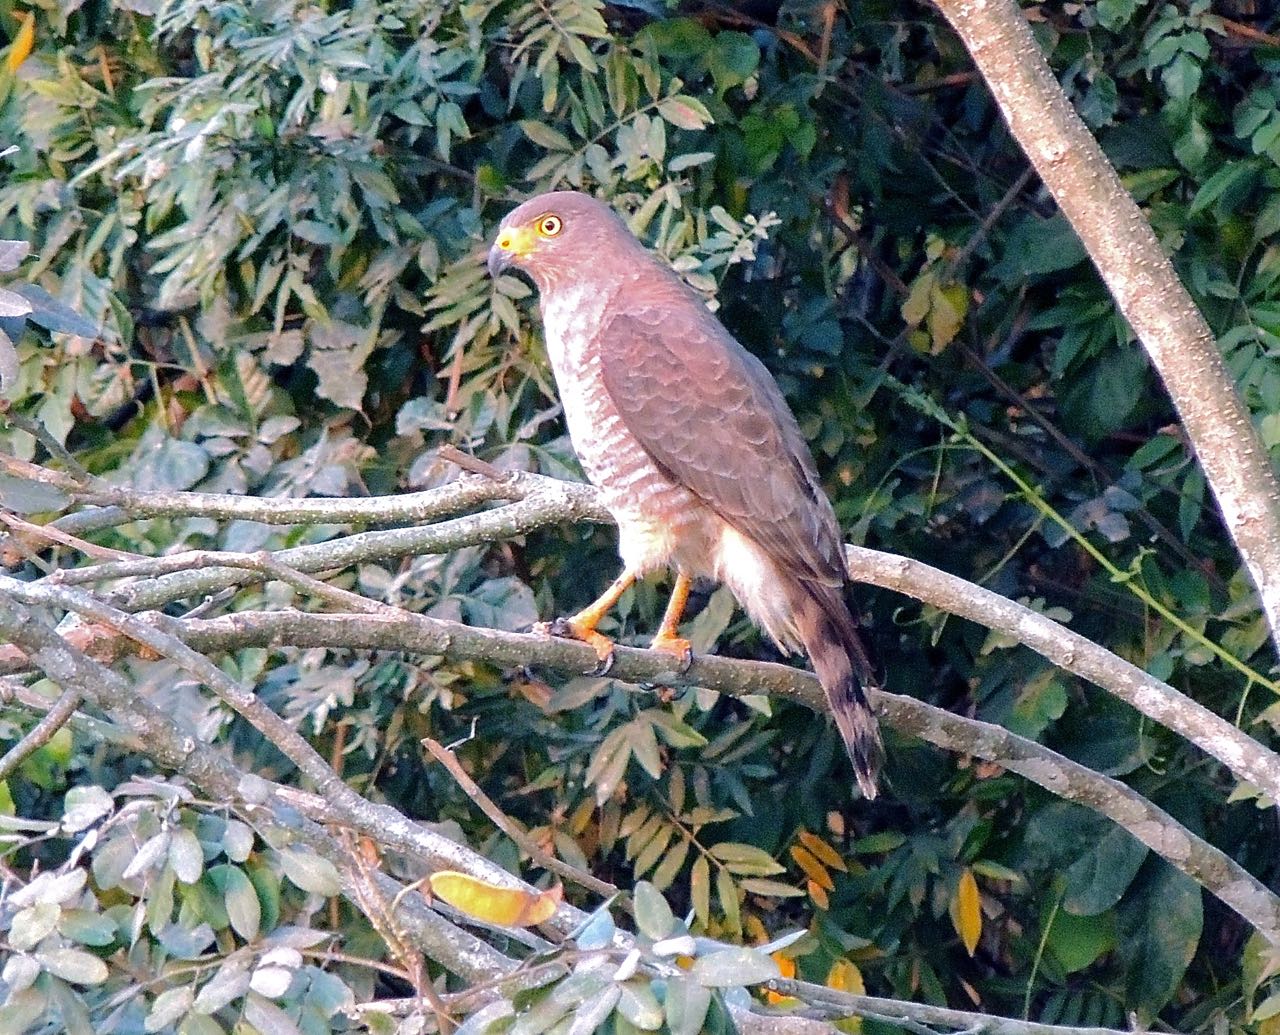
(274,810)
(537,501)
(187,643)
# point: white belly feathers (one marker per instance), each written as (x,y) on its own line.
(658,520)
(660,523)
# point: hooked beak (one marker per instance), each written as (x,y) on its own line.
(514,244)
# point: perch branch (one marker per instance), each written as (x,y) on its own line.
(548,501)
(433,637)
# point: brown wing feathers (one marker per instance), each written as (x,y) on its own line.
(709,414)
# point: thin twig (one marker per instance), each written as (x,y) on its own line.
(55,448)
(984,228)
(509,827)
(472,463)
(51,534)
(41,733)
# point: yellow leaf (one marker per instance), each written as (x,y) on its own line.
(916,307)
(966,911)
(819,895)
(844,976)
(510,907)
(22,42)
(813,869)
(825,853)
(786,969)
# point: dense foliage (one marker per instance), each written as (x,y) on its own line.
(275,215)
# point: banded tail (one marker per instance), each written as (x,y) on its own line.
(830,636)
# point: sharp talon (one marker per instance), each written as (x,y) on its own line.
(680,649)
(568,629)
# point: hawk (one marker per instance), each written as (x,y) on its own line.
(693,448)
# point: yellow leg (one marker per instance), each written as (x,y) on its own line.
(582,626)
(668,638)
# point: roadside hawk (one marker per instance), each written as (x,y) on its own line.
(693,448)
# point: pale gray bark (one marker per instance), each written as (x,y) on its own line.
(1121,243)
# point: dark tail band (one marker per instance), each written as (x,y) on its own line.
(830,635)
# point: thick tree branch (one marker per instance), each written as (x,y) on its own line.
(1143,282)
(548,501)
(274,811)
(514,519)
(1245,757)
(1152,826)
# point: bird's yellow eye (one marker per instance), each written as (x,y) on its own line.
(549,226)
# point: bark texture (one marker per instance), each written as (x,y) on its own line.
(1124,248)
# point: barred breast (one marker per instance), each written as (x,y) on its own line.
(660,523)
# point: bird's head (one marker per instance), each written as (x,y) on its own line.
(559,235)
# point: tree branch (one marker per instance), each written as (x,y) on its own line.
(514,519)
(41,733)
(549,501)
(1142,280)
(419,634)
(272,811)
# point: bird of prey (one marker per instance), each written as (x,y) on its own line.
(693,448)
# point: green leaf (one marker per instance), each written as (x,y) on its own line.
(84,806)
(685,112)
(53,315)
(653,916)
(310,872)
(544,136)
(1159,928)
(73,965)
(737,966)
(241,900)
(186,856)
(1181,77)
(87,927)
(639,1005)
(700,889)
(229,982)
(31,925)
(268,1018)
(746,860)
(732,59)
(1077,941)
(168,1007)
(686,1006)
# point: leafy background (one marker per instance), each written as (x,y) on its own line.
(257,235)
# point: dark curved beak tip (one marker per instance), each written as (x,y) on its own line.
(499,260)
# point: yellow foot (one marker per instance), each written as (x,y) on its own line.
(680,648)
(569,629)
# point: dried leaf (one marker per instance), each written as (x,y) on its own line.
(966,911)
(510,907)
